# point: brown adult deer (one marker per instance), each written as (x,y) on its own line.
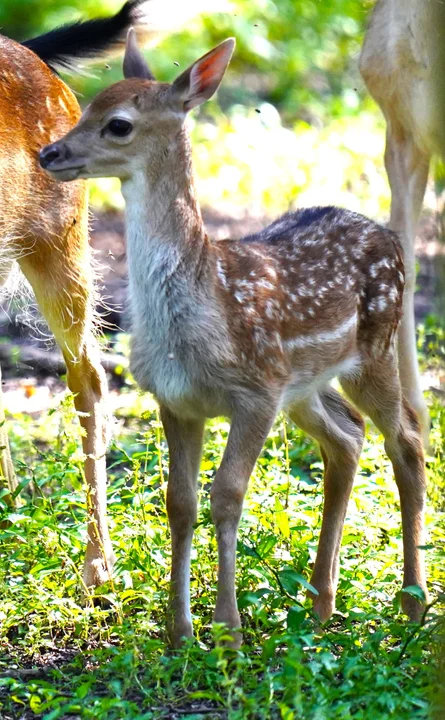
(247,327)
(44,226)
(403,65)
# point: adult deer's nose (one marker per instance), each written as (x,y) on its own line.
(53,153)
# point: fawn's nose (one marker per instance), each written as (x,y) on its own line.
(56,152)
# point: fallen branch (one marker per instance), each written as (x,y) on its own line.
(20,359)
(27,673)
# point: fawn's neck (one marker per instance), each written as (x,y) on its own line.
(162,212)
(169,254)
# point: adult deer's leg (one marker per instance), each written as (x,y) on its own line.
(184,438)
(59,270)
(339,429)
(407,169)
(248,433)
(8,479)
(378,393)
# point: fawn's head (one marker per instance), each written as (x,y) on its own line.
(134,123)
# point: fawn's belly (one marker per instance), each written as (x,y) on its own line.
(192,385)
(175,384)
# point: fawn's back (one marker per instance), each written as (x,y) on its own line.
(320,278)
(314,295)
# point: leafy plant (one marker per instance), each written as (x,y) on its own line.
(105,657)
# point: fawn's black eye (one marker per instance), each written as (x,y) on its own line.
(119,127)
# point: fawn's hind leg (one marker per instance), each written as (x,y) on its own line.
(378,393)
(59,270)
(339,429)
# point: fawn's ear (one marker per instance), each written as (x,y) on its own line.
(201,80)
(134,63)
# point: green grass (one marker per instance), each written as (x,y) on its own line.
(62,656)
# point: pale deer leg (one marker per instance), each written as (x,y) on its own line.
(86,379)
(184,438)
(377,392)
(339,429)
(60,277)
(407,169)
(8,479)
(247,435)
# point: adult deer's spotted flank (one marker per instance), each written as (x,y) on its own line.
(245,328)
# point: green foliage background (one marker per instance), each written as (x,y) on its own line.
(317,139)
(108,660)
(300,55)
(291,124)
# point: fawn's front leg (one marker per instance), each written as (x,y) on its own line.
(339,429)
(247,435)
(184,438)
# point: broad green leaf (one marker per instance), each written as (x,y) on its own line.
(415,591)
(282,519)
(292,581)
(295,617)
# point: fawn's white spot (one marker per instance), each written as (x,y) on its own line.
(375,267)
(265,284)
(378,304)
(270,309)
(327,336)
(221,274)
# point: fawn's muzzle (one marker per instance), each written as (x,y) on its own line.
(52,154)
(58,160)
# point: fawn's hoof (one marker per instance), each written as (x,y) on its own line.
(231,639)
(178,632)
(323,607)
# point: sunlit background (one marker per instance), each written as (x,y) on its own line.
(292,124)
